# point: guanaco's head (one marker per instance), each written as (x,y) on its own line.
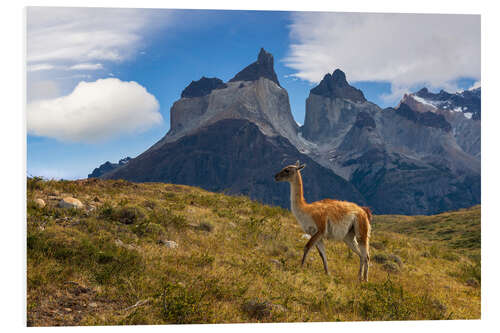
(289,172)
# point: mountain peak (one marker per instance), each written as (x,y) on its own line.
(339,77)
(424,90)
(335,86)
(263,67)
(427,118)
(265,57)
(202,87)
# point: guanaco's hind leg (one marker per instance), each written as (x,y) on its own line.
(366,260)
(350,240)
(321,249)
(363,235)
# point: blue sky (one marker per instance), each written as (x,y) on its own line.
(164,50)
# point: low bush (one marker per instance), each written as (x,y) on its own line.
(182,305)
(389,301)
(126,214)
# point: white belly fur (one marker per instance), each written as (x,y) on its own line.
(334,231)
(338,231)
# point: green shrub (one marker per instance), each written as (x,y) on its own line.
(469,271)
(199,259)
(148,203)
(205,226)
(165,217)
(390,267)
(380,258)
(129,214)
(182,305)
(389,301)
(105,261)
(106,211)
(124,214)
(451,256)
(34,183)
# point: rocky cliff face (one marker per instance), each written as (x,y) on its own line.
(263,67)
(329,108)
(336,86)
(234,137)
(462,110)
(253,94)
(202,87)
(108,167)
(235,156)
(392,156)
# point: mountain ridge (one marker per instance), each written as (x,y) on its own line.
(390,156)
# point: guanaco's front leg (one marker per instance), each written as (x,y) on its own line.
(312,242)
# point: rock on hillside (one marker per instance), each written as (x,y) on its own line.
(70,202)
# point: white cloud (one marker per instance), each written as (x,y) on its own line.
(40,67)
(37,90)
(83,34)
(86,66)
(476,84)
(403,49)
(60,39)
(95,111)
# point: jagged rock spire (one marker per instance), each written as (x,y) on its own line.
(263,67)
(335,86)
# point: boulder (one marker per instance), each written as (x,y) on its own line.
(40,203)
(170,244)
(391,267)
(70,202)
(261,309)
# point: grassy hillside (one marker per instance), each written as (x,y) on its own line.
(459,230)
(236,260)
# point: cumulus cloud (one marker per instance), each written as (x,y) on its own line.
(404,49)
(95,111)
(37,90)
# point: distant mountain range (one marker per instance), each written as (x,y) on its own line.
(421,157)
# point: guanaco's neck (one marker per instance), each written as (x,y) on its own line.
(297,193)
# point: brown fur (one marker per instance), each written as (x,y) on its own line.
(368,212)
(364,226)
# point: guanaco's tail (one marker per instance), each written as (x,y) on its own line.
(368,212)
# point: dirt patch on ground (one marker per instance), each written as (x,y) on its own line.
(68,306)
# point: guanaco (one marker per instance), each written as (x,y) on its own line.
(331,219)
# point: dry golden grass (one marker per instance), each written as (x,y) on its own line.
(236,261)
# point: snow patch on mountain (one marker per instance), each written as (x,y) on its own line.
(424,101)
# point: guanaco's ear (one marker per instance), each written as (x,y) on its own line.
(301,167)
(297,164)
